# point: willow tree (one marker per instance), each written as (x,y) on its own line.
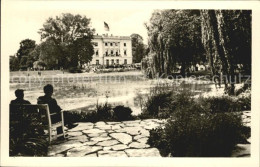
(175,38)
(226,35)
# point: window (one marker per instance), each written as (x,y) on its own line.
(124,44)
(97,62)
(117,61)
(112,52)
(106,53)
(97,53)
(116,44)
(106,44)
(125,52)
(125,61)
(111,44)
(112,62)
(116,53)
(107,62)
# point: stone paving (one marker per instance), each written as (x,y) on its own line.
(120,139)
(108,139)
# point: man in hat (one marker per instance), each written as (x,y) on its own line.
(19,97)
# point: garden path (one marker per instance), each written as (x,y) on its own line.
(120,139)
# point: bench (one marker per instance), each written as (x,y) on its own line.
(39,113)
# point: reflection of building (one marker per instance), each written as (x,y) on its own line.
(111,50)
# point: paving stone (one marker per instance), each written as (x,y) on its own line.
(83,150)
(119,147)
(100,123)
(122,137)
(74,133)
(138,145)
(100,138)
(55,149)
(114,127)
(133,130)
(91,143)
(108,143)
(143,140)
(112,154)
(106,148)
(104,127)
(132,122)
(81,126)
(241,150)
(82,138)
(138,137)
(113,123)
(97,134)
(150,152)
(91,155)
(145,133)
(95,131)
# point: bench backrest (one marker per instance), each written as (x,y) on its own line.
(38,112)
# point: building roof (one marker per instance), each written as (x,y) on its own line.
(106,36)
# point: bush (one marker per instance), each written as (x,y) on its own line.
(193,133)
(75,70)
(221,104)
(104,112)
(27,137)
(162,99)
(122,113)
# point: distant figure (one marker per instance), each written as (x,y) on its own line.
(53,106)
(19,97)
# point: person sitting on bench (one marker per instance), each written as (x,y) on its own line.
(53,107)
(19,97)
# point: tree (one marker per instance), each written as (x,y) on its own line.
(175,38)
(26,47)
(14,63)
(72,36)
(226,36)
(138,48)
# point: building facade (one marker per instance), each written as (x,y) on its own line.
(112,50)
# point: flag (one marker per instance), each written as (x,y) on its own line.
(106,26)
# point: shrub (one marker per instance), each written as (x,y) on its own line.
(75,70)
(220,104)
(27,137)
(162,99)
(122,113)
(192,133)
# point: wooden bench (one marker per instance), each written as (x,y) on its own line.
(41,113)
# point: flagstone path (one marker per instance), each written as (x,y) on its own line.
(120,139)
(113,139)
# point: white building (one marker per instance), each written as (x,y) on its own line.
(112,50)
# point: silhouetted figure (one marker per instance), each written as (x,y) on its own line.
(19,97)
(53,107)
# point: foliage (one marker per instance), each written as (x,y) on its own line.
(175,38)
(23,53)
(221,104)
(193,131)
(26,134)
(138,48)
(162,100)
(104,112)
(122,113)
(226,36)
(72,37)
(75,70)
(14,63)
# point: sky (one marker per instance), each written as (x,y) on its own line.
(22,20)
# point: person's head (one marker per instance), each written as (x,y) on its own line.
(19,93)
(48,89)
